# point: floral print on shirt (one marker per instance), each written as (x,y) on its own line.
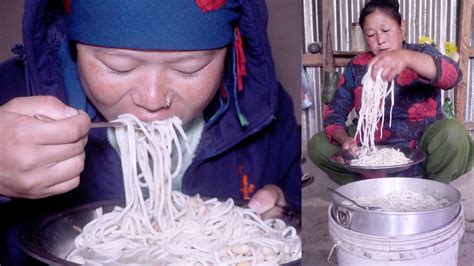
(417,101)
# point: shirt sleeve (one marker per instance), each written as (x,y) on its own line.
(335,115)
(448,73)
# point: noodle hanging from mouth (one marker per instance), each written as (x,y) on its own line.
(159,226)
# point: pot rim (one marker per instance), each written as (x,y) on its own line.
(346,187)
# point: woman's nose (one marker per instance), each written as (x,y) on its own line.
(380,39)
(151,93)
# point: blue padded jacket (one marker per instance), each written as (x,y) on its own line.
(267,151)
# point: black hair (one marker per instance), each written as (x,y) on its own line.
(389,7)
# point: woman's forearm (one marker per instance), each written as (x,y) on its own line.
(341,136)
(421,63)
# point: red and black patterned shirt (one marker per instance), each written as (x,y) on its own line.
(417,100)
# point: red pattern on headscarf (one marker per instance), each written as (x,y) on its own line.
(240,60)
(223,92)
(209,5)
(420,111)
(67,6)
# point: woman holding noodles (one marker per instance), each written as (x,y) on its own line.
(207,62)
(419,73)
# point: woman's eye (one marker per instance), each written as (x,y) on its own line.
(386,30)
(120,71)
(370,35)
(190,74)
(117,69)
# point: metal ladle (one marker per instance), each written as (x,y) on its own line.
(369,208)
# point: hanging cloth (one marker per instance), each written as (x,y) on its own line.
(331,76)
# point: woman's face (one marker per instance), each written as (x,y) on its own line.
(382,32)
(119,81)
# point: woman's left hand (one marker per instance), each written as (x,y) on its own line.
(266,198)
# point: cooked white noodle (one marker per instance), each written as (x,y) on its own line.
(371,113)
(381,157)
(402,201)
(161,226)
(372,108)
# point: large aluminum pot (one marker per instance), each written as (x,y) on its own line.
(394,223)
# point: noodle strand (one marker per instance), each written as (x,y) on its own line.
(161,226)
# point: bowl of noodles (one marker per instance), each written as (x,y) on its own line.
(156,225)
(380,162)
(51,239)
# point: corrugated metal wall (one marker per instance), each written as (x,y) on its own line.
(437,19)
(469,115)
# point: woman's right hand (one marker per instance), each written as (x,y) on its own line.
(38,158)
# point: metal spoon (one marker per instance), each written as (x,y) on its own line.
(370,208)
(93,125)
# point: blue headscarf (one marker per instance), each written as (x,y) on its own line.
(145,25)
(154,24)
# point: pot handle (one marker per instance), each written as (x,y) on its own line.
(334,248)
(343,216)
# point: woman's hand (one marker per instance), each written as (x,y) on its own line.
(266,198)
(391,63)
(351,145)
(40,159)
(347,142)
(394,62)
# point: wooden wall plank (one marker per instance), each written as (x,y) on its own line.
(317,60)
(464,39)
(328,64)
